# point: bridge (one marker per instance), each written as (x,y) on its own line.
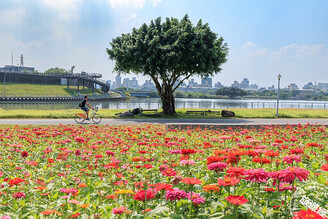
(140,94)
(76,79)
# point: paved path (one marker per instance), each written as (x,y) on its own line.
(225,122)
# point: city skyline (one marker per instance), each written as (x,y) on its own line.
(265,38)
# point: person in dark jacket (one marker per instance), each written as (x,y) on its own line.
(84,108)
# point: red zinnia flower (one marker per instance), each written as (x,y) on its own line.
(188,151)
(140,195)
(15,181)
(308,214)
(256,175)
(191,181)
(236,200)
(163,186)
(235,171)
(24,154)
(324,167)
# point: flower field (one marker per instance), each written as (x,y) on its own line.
(150,172)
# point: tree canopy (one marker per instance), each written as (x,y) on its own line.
(169,52)
(231,92)
(56,70)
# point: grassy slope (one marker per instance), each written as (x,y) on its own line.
(24,90)
(110,113)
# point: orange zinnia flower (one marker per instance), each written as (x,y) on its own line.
(228,181)
(84,205)
(211,188)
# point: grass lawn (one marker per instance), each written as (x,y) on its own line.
(24,90)
(181,114)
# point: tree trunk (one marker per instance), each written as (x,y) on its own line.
(168,102)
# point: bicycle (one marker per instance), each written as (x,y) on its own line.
(81,117)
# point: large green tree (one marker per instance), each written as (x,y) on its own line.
(170,52)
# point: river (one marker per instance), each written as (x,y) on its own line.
(155,103)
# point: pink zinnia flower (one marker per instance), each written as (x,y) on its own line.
(174,151)
(196,198)
(218,166)
(256,175)
(288,175)
(18,195)
(187,162)
(175,194)
(119,210)
(289,159)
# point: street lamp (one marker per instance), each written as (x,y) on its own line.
(4,84)
(278,95)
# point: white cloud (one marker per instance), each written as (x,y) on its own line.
(249,45)
(296,63)
(139,4)
(67,9)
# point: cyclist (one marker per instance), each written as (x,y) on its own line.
(82,105)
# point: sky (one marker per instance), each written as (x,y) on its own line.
(265,37)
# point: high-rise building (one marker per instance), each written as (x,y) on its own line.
(206,82)
(133,84)
(118,81)
(126,83)
(244,84)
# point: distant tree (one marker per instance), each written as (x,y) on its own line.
(56,70)
(231,92)
(295,93)
(169,52)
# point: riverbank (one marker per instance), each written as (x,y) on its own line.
(181,114)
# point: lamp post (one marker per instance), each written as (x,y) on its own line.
(278,95)
(4,84)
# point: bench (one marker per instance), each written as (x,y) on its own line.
(203,112)
(153,112)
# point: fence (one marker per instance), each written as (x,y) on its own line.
(220,105)
(118,104)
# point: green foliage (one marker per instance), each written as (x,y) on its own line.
(231,92)
(169,52)
(56,70)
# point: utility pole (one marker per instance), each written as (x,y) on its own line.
(278,95)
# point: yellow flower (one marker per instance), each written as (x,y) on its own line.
(84,205)
(123,191)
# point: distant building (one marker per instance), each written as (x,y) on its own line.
(236,84)
(17,69)
(125,82)
(292,86)
(271,88)
(192,83)
(218,85)
(134,84)
(148,86)
(244,84)
(118,81)
(206,82)
(309,86)
(323,86)
(253,87)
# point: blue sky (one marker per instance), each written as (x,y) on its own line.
(265,37)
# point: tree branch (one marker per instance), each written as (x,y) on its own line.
(182,81)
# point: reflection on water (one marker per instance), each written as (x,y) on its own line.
(155,103)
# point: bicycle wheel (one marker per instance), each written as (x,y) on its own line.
(96,118)
(78,118)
